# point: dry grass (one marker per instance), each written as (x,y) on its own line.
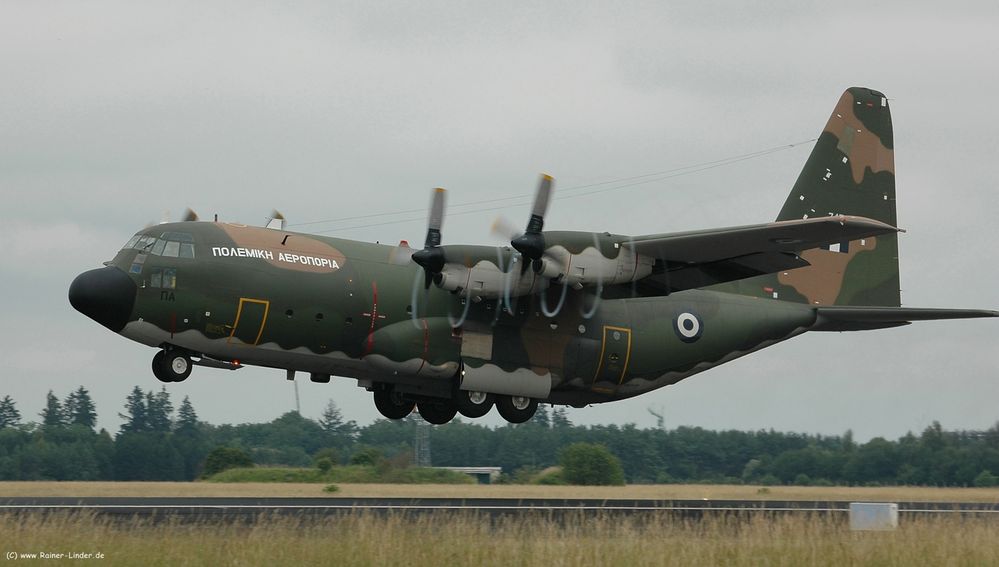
(655,492)
(471,540)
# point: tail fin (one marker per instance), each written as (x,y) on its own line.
(850,171)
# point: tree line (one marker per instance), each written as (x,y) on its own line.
(159,442)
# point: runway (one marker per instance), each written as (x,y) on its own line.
(208,509)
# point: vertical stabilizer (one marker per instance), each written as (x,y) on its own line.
(850,171)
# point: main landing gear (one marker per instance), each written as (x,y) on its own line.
(397,405)
(171,365)
(516,409)
(392,404)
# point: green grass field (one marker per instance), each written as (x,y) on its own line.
(468,539)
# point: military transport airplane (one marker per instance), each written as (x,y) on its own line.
(571,318)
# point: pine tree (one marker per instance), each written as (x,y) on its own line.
(79,408)
(9,416)
(137,417)
(333,424)
(541,417)
(159,411)
(52,415)
(187,419)
(560,419)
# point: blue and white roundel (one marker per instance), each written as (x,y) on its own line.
(688,327)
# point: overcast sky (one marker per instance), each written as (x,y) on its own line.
(113,115)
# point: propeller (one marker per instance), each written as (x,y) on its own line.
(431,258)
(189,216)
(531,244)
(276,220)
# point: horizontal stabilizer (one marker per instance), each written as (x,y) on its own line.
(866,318)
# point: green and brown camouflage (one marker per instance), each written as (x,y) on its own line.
(850,171)
(597,317)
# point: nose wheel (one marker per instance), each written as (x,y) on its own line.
(171,366)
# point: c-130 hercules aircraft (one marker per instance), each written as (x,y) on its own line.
(571,318)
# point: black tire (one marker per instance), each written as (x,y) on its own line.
(473,404)
(516,409)
(437,412)
(175,366)
(392,405)
(158,366)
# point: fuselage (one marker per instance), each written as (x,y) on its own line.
(327,306)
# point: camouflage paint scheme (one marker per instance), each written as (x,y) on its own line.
(329,306)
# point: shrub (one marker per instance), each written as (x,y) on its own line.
(769,480)
(367,456)
(329,453)
(986,479)
(324,464)
(223,458)
(590,464)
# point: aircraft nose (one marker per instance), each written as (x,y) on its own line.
(106,295)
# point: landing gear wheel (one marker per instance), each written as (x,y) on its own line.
(473,404)
(158,367)
(516,409)
(437,412)
(392,405)
(172,366)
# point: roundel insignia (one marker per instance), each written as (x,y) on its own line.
(688,327)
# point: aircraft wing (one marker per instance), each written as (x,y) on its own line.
(686,260)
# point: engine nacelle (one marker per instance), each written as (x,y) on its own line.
(591,268)
(485,280)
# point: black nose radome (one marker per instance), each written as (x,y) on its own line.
(106,295)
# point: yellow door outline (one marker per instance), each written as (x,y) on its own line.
(239,313)
(603,349)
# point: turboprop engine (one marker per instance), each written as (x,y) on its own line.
(488,280)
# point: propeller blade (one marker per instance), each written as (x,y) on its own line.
(431,258)
(276,221)
(532,243)
(541,198)
(503,228)
(190,215)
(436,219)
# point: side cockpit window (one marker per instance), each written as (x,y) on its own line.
(165,278)
(131,242)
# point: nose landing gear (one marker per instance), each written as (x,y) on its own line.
(171,365)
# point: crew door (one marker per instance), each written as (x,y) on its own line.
(251,317)
(615,353)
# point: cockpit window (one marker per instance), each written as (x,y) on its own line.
(131,242)
(172,249)
(169,244)
(178,236)
(144,243)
